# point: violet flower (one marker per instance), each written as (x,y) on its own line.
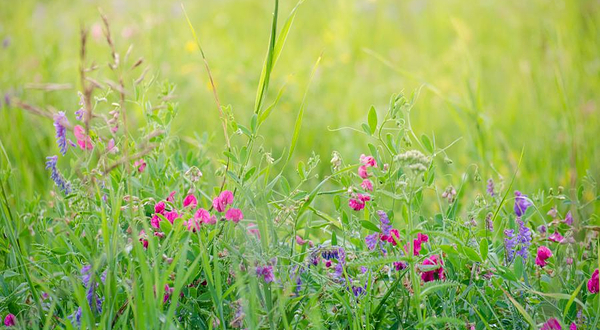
(55,175)
(60,120)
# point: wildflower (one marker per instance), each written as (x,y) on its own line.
(359,290)
(234,215)
(171,197)
(573,326)
(543,254)
(414,160)
(225,198)
(205,217)
(55,175)
(10,320)
(79,113)
(110,148)
(171,216)
(428,276)
(524,239)
(60,120)
(542,229)
(140,164)
(76,316)
(551,324)
(254,231)
(400,265)
(556,237)
(449,194)
(83,140)
(155,221)
(490,188)
(569,261)
(421,238)
(299,240)
(362,171)
(266,273)
(338,273)
(368,161)
(367,185)
(510,243)
(190,201)
(336,161)
(522,203)
(489,223)
(568,219)
(159,207)
(358,203)
(328,263)
(238,318)
(90,284)
(143,239)
(593,284)
(192,224)
(168,293)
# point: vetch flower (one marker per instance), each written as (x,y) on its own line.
(79,113)
(171,216)
(159,207)
(55,175)
(171,197)
(190,201)
(362,171)
(543,254)
(510,243)
(522,203)
(490,187)
(568,219)
(430,275)
(266,273)
(368,161)
(60,121)
(593,284)
(10,320)
(358,203)
(83,140)
(234,215)
(556,237)
(421,238)
(551,324)
(140,164)
(367,185)
(155,221)
(524,239)
(573,326)
(300,240)
(221,202)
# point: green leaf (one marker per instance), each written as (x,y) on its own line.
(366,128)
(369,225)
(471,254)
(333,238)
(301,171)
(484,249)
(253,123)
(520,308)
(373,120)
(518,267)
(427,143)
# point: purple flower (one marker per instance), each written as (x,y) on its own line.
(522,203)
(266,273)
(524,239)
(510,243)
(359,290)
(79,113)
(490,188)
(568,219)
(372,241)
(10,320)
(60,120)
(88,282)
(489,223)
(76,317)
(338,273)
(55,175)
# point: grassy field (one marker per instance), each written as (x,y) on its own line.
(458,106)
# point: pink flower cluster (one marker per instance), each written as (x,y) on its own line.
(593,284)
(358,202)
(543,254)
(421,238)
(430,275)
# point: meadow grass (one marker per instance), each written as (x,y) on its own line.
(280,110)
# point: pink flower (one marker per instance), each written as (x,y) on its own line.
(428,276)
(171,216)
(369,161)
(254,231)
(594,282)
(171,198)
(143,239)
(266,273)
(551,324)
(390,238)
(299,240)
(367,185)
(543,254)
(356,205)
(399,265)
(556,237)
(110,148)
(225,198)
(417,243)
(83,141)
(573,326)
(362,171)
(140,164)
(159,207)
(363,198)
(192,224)
(203,216)
(10,320)
(155,221)
(328,263)
(234,215)
(191,201)
(168,293)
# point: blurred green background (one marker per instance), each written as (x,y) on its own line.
(503,75)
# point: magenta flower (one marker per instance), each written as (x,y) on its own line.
(155,221)
(362,171)
(234,215)
(593,284)
(428,276)
(83,140)
(299,240)
(368,161)
(556,237)
(367,185)
(171,216)
(266,273)
(171,197)
(551,324)
(543,254)
(140,164)
(421,238)
(159,207)
(192,224)
(573,326)
(10,320)
(356,205)
(143,239)
(191,201)
(225,198)
(390,237)
(522,203)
